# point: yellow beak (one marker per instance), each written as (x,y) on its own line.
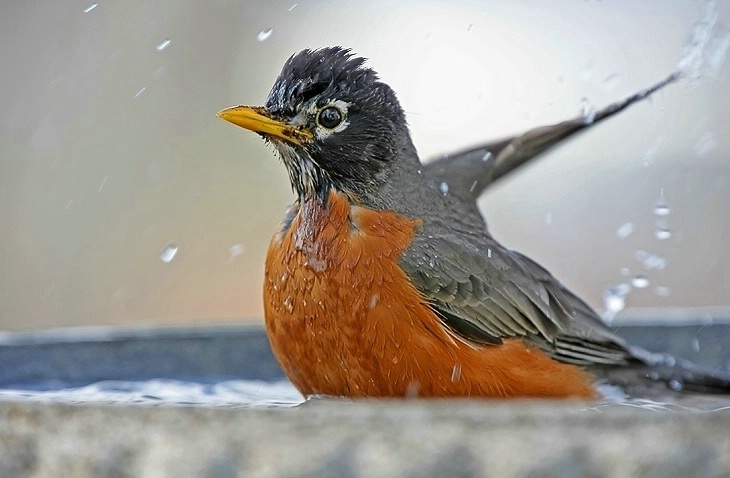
(259,120)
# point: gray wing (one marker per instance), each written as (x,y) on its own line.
(468,173)
(487,293)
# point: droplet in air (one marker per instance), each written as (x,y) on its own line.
(487,156)
(640,281)
(164,43)
(169,253)
(90,7)
(705,144)
(649,260)
(614,301)
(695,344)
(662,291)
(140,91)
(610,81)
(587,111)
(676,385)
(548,218)
(444,188)
(293,7)
(625,230)
(662,233)
(661,209)
(468,29)
(237,249)
(473,186)
(264,35)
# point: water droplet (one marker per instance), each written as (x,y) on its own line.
(705,144)
(614,301)
(662,291)
(264,35)
(293,7)
(610,81)
(662,233)
(288,304)
(468,29)
(473,186)
(444,188)
(140,91)
(587,111)
(695,344)
(102,184)
(169,253)
(661,209)
(487,156)
(456,372)
(654,262)
(90,7)
(676,385)
(625,230)
(625,271)
(68,205)
(164,43)
(237,249)
(640,281)
(489,253)
(548,218)
(373,301)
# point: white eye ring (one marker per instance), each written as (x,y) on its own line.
(322,131)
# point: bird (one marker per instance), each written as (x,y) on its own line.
(380,283)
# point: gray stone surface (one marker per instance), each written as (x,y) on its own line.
(363,439)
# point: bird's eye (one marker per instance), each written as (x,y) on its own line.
(329,117)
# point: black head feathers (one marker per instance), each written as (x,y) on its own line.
(309,73)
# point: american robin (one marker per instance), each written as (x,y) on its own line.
(381,283)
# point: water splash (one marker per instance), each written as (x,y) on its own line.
(661,208)
(614,301)
(587,111)
(650,261)
(164,43)
(237,249)
(625,230)
(706,49)
(169,253)
(640,281)
(264,35)
(662,233)
(705,144)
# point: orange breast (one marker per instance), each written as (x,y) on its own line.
(343,318)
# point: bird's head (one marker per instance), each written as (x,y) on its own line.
(334,124)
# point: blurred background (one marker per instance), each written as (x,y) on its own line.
(124,200)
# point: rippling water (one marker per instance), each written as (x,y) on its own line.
(265,394)
(230,393)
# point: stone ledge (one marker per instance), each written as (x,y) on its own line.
(327,438)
